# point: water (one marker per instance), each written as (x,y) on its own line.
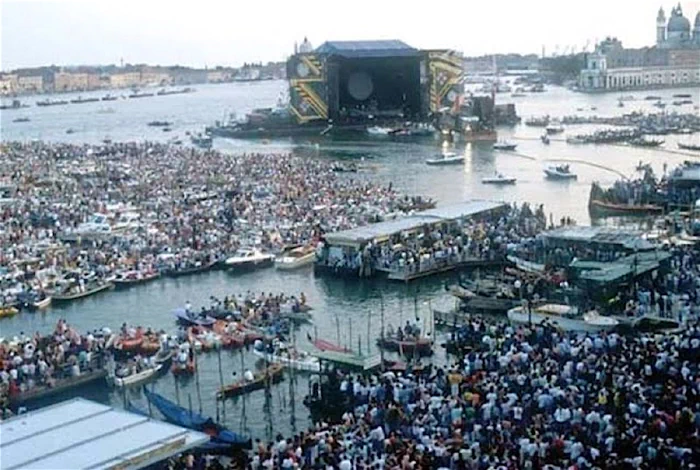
(349,304)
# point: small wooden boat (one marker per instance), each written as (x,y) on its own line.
(420,346)
(90,290)
(603,208)
(201,268)
(129,344)
(42,304)
(8,312)
(136,378)
(133,278)
(559,172)
(693,147)
(273,374)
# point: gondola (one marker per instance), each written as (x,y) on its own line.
(134,278)
(62,298)
(274,373)
(180,416)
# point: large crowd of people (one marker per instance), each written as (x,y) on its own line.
(149,206)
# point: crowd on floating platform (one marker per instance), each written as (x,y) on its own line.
(647,123)
(148,207)
(484,238)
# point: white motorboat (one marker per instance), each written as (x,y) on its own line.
(247,259)
(448,158)
(293,359)
(42,304)
(559,172)
(564,317)
(554,127)
(499,179)
(504,145)
(135,378)
(296,258)
(376,130)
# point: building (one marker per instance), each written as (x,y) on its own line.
(9,84)
(125,79)
(71,81)
(30,84)
(673,61)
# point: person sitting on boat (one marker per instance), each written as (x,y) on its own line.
(188,307)
(248,375)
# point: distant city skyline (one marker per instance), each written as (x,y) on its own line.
(209,33)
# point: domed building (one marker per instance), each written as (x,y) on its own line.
(677,32)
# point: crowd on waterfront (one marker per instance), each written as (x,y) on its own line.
(150,206)
(525,397)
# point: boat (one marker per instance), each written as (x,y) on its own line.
(296,258)
(94,375)
(16,104)
(290,358)
(604,208)
(164,92)
(559,172)
(197,268)
(202,141)
(641,142)
(693,147)
(137,378)
(183,368)
(49,102)
(554,127)
(108,98)
(133,278)
(565,317)
(248,259)
(682,95)
(186,318)
(89,290)
(545,139)
(525,265)
(70,131)
(166,129)
(189,419)
(408,346)
(517,95)
(499,179)
(324,345)
(8,311)
(271,374)
(448,158)
(652,98)
(21,119)
(80,100)
(159,124)
(504,145)
(42,304)
(660,104)
(626,98)
(379,131)
(141,95)
(537,121)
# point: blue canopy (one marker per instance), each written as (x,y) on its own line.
(367,49)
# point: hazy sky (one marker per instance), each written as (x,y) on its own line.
(230,32)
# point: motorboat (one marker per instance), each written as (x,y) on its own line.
(288,357)
(554,127)
(187,318)
(248,259)
(379,131)
(693,147)
(132,278)
(448,158)
(499,179)
(296,258)
(565,317)
(559,172)
(504,145)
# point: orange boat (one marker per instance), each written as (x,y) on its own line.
(187,368)
(131,344)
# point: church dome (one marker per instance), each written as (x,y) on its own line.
(679,24)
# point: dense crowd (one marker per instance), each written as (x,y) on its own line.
(149,206)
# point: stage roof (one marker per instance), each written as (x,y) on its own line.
(82,434)
(367,49)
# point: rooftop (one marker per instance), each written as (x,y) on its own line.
(383,230)
(634,265)
(81,434)
(350,361)
(367,49)
(601,235)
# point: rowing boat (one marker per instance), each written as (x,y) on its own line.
(68,297)
(273,373)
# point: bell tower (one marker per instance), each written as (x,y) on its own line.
(660,27)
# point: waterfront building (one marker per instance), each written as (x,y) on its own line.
(71,81)
(9,84)
(125,79)
(673,61)
(30,84)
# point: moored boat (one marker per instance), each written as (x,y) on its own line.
(196,268)
(248,259)
(603,208)
(75,293)
(134,378)
(8,311)
(564,317)
(693,147)
(406,345)
(271,374)
(289,357)
(296,258)
(504,145)
(554,127)
(132,278)
(187,318)
(42,304)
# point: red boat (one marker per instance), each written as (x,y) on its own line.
(420,346)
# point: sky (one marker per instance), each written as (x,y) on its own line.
(230,32)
